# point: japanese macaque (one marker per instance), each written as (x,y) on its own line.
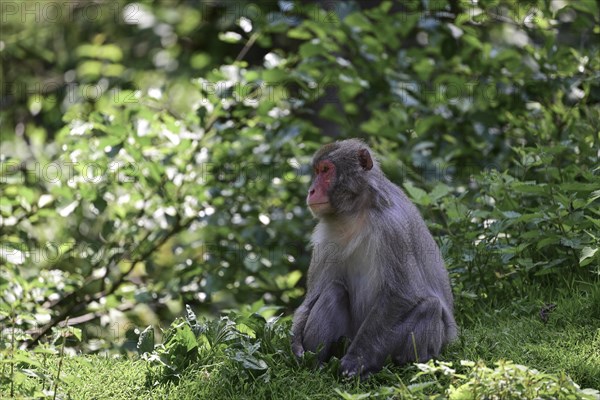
(376,276)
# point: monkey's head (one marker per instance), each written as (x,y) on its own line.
(344,172)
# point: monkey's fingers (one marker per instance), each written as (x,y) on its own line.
(298,349)
(350,369)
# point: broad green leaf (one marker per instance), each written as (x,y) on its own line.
(586,254)
(440,190)
(418,195)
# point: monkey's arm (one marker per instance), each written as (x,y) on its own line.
(299,323)
(300,318)
(301,315)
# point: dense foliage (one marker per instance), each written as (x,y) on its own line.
(154,154)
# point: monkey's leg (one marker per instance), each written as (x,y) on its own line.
(416,331)
(420,335)
(328,321)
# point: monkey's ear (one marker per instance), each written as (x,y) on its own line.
(365,160)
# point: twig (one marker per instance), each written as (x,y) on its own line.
(247,47)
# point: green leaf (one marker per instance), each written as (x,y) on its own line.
(26,358)
(529,187)
(595,195)
(511,214)
(89,69)
(588,6)
(587,253)
(145,342)
(579,187)
(573,243)
(440,190)
(424,67)
(299,33)
(418,195)
(274,75)
(188,338)
(311,49)
(423,126)
(359,22)
(547,241)
(230,37)
(76,332)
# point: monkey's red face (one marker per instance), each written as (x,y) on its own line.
(318,197)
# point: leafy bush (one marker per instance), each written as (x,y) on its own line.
(249,346)
(530,226)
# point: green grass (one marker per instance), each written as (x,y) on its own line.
(569,343)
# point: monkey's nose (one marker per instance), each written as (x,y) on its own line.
(311,192)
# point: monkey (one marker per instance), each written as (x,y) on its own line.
(376,276)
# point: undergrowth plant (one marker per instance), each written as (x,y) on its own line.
(237,345)
(471,380)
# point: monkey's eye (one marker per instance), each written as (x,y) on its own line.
(324,169)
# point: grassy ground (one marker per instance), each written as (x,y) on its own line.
(568,343)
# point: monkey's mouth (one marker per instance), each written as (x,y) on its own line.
(321,208)
(324,205)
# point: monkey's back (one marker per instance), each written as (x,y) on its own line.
(418,267)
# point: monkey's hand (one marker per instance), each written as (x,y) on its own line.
(353,366)
(297,347)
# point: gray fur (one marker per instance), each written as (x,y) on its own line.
(376,276)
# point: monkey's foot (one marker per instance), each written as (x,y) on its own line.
(353,366)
